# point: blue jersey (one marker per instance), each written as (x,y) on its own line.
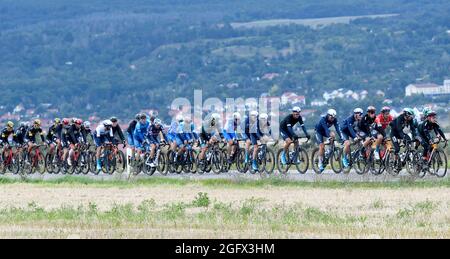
(349,124)
(323,127)
(141,130)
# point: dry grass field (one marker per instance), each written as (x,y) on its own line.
(219,208)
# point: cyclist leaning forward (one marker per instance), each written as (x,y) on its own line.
(30,136)
(367,127)
(425,128)
(350,132)
(211,133)
(382,121)
(102,134)
(154,135)
(71,137)
(287,131)
(323,131)
(8,134)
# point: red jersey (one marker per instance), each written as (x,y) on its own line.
(382,122)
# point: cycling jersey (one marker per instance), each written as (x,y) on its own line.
(349,127)
(139,133)
(74,135)
(231,129)
(20,135)
(323,128)
(366,125)
(425,129)
(118,131)
(382,123)
(31,134)
(287,126)
(154,133)
(397,127)
(6,134)
(101,135)
(132,127)
(54,132)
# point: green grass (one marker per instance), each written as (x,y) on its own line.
(231,183)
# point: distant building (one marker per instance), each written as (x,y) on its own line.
(292,98)
(428,89)
(319,103)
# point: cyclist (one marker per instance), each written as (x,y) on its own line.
(117,131)
(8,134)
(87,132)
(54,134)
(349,132)
(429,125)
(211,132)
(366,124)
(130,132)
(154,134)
(30,137)
(73,137)
(102,134)
(251,132)
(322,130)
(382,121)
(230,132)
(140,132)
(406,119)
(21,132)
(287,130)
(174,135)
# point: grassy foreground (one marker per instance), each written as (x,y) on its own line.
(270,208)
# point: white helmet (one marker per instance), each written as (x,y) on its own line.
(358,110)
(179,117)
(215,116)
(158,122)
(237,116)
(296,109)
(332,113)
(254,113)
(87,124)
(264,116)
(107,123)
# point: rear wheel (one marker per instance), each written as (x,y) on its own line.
(270,162)
(242,165)
(439,164)
(315,161)
(282,168)
(162,164)
(216,161)
(335,161)
(391,164)
(121,162)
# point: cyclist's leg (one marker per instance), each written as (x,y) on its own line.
(319,141)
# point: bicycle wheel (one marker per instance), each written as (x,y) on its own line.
(335,161)
(242,165)
(93,163)
(84,163)
(121,162)
(49,165)
(315,161)
(439,164)
(148,170)
(270,162)
(392,164)
(302,163)
(282,168)
(193,161)
(162,164)
(216,162)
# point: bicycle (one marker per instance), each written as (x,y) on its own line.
(80,159)
(331,156)
(159,161)
(212,161)
(297,156)
(36,161)
(436,162)
(54,159)
(9,160)
(107,159)
(395,163)
(226,167)
(185,162)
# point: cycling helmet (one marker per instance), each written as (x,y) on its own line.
(408,111)
(332,113)
(426,110)
(37,122)
(431,113)
(254,113)
(158,122)
(107,123)
(87,125)
(179,117)
(358,111)
(10,124)
(237,116)
(264,116)
(23,124)
(296,109)
(79,122)
(114,119)
(143,116)
(57,121)
(371,109)
(66,122)
(138,116)
(385,109)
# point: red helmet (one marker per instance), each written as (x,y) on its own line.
(66,122)
(386,109)
(78,121)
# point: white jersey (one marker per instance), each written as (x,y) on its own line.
(101,131)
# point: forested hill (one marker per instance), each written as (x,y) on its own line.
(117,57)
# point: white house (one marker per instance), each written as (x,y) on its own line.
(428,89)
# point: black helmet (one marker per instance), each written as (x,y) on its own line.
(113,119)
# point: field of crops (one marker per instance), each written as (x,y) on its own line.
(72,207)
